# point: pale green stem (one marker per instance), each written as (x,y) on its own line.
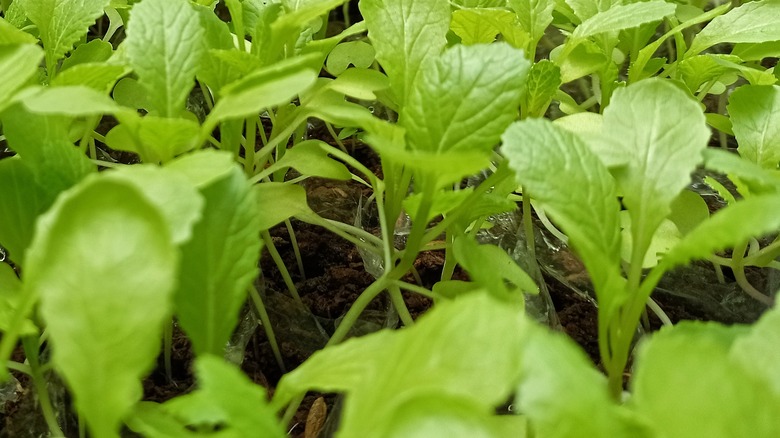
(267,327)
(269,244)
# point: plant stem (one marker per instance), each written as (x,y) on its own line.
(167,348)
(30,345)
(267,327)
(296,250)
(360,304)
(397,298)
(269,244)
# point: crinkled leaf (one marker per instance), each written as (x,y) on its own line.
(465,99)
(563,395)
(581,198)
(687,384)
(405,33)
(72,100)
(21,201)
(619,17)
(755,118)
(164,44)
(18,63)
(753,22)
(103,252)
(218,264)
(437,356)
(662,133)
(277,202)
(61,23)
(154,139)
(543,81)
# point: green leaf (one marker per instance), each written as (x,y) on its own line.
(154,139)
(663,239)
(18,63)
(10,295)
(480,26)
(582,198)
(700,69)
(95,51)
(360,83)
(585,9)
(465,99)
(662,133)
(265,88)
(164,44)
(688,210)
(758,179)
(22,200)
(10,35)
(357,53)
(564,396)
(437,357)
(735,224)
(73,100)
(277,202)
(405,33)
(619,17)
(204,167)
(533,16)
(219,263)
(541,86)
(753,22)
(490,266)
(753,354)
(311,159)
(755,118)
(98,76)
(61,23)
(687,384)
(118,279)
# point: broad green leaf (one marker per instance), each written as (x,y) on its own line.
(664,238)
(43,144)
(174,196)
(277,202)
(95,51)
(687,384)
(154,139)
(11,291)
(204,167)
(688,210)
(218,263)
(755,76)
(437,357)
(490,266)
(752,217)
(619,17)
(152,421)
(753,353)
(61,23)
(662,133)
(311,159)
(585,9)
(753,22)
(73,101)
(360,83)
(292,29)
(98,76)
(543,81)
(581,198)
(700,69)
(21,201)
(480,26)
(533,16)
(759,180)
(564,396)
(405,33)
(265,88)
(465,99)
(10,34)
(757,51)
(584,59)
(357,53)
(102,252)
(755,119)
(18,63)
(164,44)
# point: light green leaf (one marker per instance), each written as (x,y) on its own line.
(95,51)
(277,202)
(541,86)
(688,210)
(265,88)
(735,224)
(664,238)
(753,22)
(73,100)
(584,59)
(755,118)
(405,33)
(360,83)
(662,131)
(98,76)
(757,51)
(10,295)
(700,69)
(154,139)
(61,23)
(21,201)
(753,351)
(490,267)
(480,26)
(581,198)
(122,297)
(164,44)
(687,385)
(311,159)
(533,16)
(18,63)
(585,9)
(758,179)
(619,17)
(204,167)
(465,99)
(219,263)
(10,35)
(564,396)
(437,357)
(357,53)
